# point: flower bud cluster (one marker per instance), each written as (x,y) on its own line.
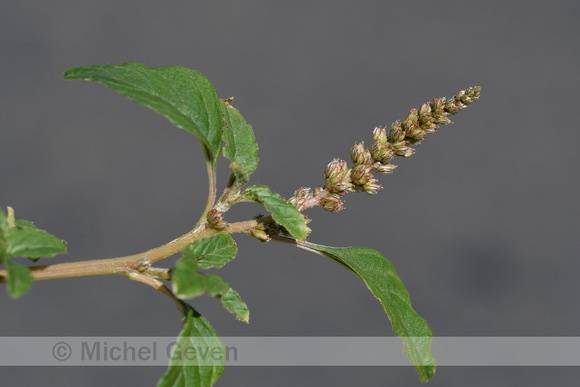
(260,233)
(340,179)
(430,115)
(267,228)
(214,220)
(361,175)
(337,177)
(332,202)
(301,197)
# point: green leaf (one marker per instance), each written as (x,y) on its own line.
(380,277)
(3,230)
(232,302)
(23,223)
(186,97)
(3,221)
(21,238)
(197,359)
(214,251)
(282,212)
(26,240)
(188,282)
(241,146)
(19,278)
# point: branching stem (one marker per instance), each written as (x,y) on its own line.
(136,263)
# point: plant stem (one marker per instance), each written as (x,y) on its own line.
(212,189)
(136,263)
(160,286)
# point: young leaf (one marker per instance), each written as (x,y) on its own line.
(186,97)
(19,278)
(382,280)
(214,251)
(197,359)
(282,212)
(241,146)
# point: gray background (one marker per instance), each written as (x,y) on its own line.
(481,223)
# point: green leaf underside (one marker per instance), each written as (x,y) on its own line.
(282,212)
(186,97)
(241,146)
(214,251)
(382,280)
(188,282)
(19,278)
(197,359)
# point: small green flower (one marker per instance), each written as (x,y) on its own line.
(371,187)
(260,234)
(402,149)
(357,153)
(380,136)
(385,169)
